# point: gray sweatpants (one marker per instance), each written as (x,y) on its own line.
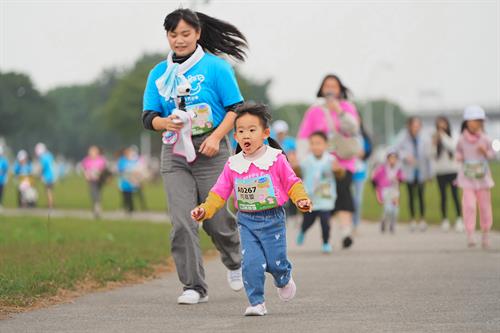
(187,185)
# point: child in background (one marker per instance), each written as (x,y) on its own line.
(47,174)
(125,165)
(23,172)
(474,177)
(386,178)
(4,173)
(262,181)
(94,168)
(317,171)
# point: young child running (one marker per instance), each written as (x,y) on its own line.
(386,178)
(318,172)
(262,181)
(474,177)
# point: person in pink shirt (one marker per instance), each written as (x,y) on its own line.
(474,176)
(386,178)
(325,116)
(94,170)
(261,180)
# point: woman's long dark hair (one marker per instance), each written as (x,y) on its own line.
(440,147)
(344,91)
(217,37)
(260,111)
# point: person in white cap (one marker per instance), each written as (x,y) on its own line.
(280,133)
(4,169)
(474,149)
(47,171)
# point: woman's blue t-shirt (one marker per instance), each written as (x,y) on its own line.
(213,87)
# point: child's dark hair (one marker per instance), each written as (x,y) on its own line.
(260,111)
(320,134)
(217,37)
(463,127)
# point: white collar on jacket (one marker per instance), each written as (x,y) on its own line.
(239,164)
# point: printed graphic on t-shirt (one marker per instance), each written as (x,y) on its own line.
(255,194)
(203,120)
(195,82)
(323,189)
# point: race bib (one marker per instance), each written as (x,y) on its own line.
(203,120)
(255,194)
(475,169)
(323,190)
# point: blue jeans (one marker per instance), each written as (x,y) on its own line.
(358,185)
(263,244)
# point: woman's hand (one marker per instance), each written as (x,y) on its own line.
(304,205)
(210,146)
(483,150)
(170,123)
(197,214)
(333,104)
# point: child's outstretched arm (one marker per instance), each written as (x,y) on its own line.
(207,210)
(298,195)
(293,184)
(216,197)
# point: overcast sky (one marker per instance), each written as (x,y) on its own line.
(421,54)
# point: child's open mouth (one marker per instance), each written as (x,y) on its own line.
(246,145)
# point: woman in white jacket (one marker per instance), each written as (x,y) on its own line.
(414,149)
(446,168)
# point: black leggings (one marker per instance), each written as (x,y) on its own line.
(443,181)
(419,189)
(1,194)
(128,202)
(324,217)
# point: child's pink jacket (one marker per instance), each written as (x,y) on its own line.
(383,179)
(272,169)
(467,152)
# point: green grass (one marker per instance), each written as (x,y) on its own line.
(38,257)
(73,193)
(373,211)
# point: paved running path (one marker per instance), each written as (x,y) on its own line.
(152,216)
(423,282)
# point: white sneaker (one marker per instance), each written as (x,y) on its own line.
(413,225)
(459,225)
(287,293)
(422,225)
(256,310)
(445,225)
(235,279)
(191,296)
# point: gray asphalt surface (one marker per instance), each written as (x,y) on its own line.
(422,282)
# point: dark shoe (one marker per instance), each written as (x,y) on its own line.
(347,242)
